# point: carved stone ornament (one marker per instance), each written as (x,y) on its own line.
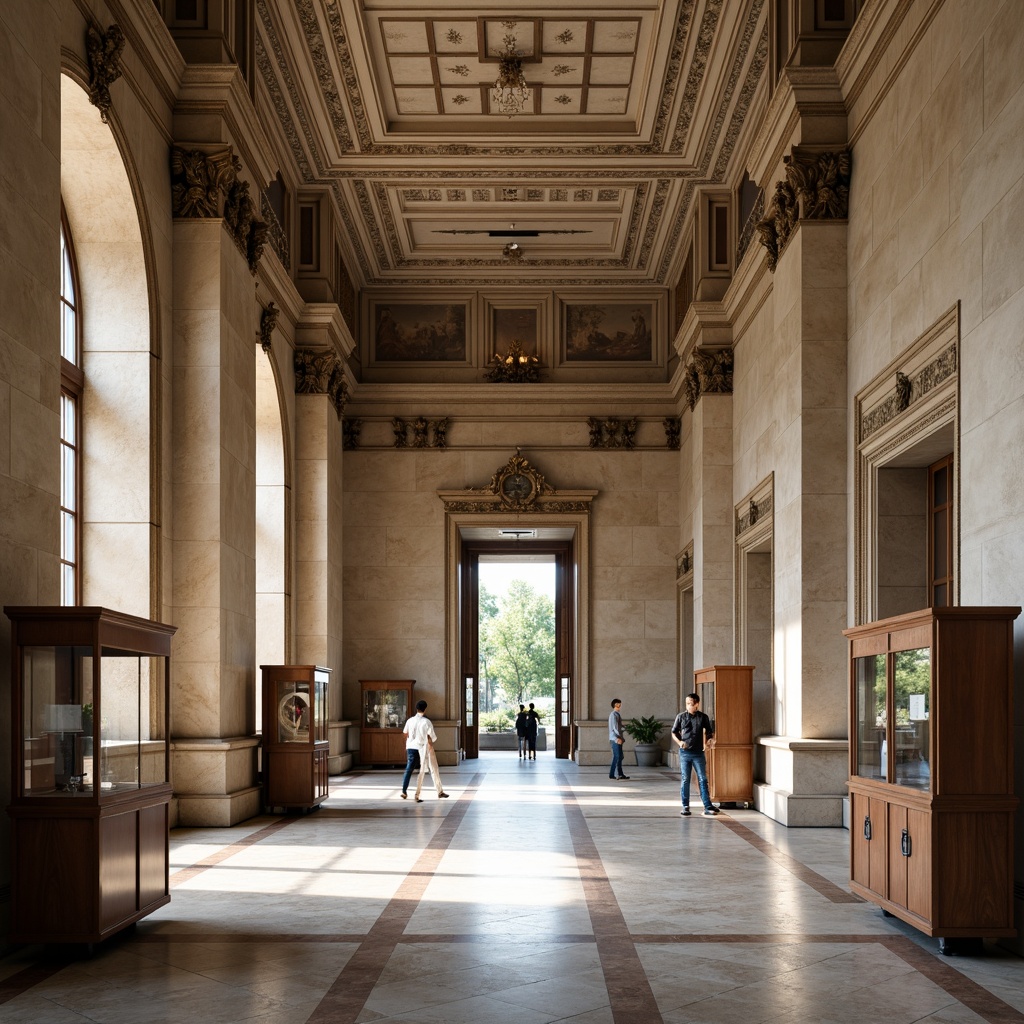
(904,389)
(817,187)
(320,373)
(515,367)
(104,52)
(708,372)
(612,433)
(673,428)
(268,321)
(684,564)
(518,485)
(755,512)
(422,429)
(200,179)
(350,434)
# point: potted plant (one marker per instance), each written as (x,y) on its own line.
(645,732)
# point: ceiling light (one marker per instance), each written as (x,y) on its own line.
(517,533)
(510,95)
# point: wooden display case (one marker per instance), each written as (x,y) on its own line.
(727,697)
(384,707)
(90,705)
(931,769)
(295,741)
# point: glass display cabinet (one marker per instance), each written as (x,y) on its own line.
(385,705)
(931,770)
(727,697)
(295,742)
(90,703)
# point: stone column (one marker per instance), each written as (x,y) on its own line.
(805,764)
(214,546)
(318,536)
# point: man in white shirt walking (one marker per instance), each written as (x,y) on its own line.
(419,752)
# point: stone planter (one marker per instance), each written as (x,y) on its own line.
(648,755)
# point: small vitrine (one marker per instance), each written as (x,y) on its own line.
(726,696)
(295,740)
(385,706)
(90,705)
(931,769)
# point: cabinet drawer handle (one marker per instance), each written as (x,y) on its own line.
(867,828)
(905,843)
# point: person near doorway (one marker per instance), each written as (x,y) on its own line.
(616,738)
(521,731)
(532,722)
(693,732)
(419,735)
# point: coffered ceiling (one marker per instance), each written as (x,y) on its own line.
(633,106)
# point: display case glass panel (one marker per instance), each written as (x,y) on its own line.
(385,709)
(912,688)
(61,756)
(870,687)
(320,681)
(706,692)
(294,707)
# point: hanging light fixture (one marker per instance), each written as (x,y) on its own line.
(510,95)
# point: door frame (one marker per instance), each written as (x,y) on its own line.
(469,629)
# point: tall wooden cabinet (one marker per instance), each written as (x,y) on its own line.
(385,706)
(727,697)
(90,786)
(931,769)
(295,741)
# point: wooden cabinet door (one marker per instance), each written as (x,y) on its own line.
(867,833)
(919,863)
(898,844)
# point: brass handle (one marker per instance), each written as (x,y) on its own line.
(905,843)
(867,828)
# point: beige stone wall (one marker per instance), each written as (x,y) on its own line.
(394,577)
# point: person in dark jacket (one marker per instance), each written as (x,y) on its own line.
(693,732)
(532,721)
(521,730)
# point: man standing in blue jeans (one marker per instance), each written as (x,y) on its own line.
(616,739)
(693,732)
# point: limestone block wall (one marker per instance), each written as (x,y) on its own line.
(395,558)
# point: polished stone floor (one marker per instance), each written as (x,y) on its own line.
(539,892)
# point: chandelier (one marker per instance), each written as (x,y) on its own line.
(510,95)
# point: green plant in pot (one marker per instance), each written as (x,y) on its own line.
(645,733)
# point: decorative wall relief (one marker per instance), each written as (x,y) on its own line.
(514,367)
(421,429)
(673,427)
(104,52)
(268,321)
(908,389)
(198,182)
(320,373)
(612,433)
(684,562)
(708,372)
(756,509)
(817,187)
(275,232)
(350,434)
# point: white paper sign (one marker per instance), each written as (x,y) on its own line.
(917,711)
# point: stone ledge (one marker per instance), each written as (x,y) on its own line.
(797,810)
(219,811)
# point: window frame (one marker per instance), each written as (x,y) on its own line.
(72,384)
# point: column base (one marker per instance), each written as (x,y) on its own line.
(340,757)
(215,780)
(804,781)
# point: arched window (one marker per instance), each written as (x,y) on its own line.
(71,380)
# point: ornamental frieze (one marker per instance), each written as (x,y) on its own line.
(673,427)
(268,321)
(610,432)
(684,562)
(320,373)
(708,372)
(425,433)
(755,511)
(907,390)
(817,187)
(104,52)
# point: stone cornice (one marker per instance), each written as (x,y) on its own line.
(147,34)
(321,325)
(218,91)
(803,95)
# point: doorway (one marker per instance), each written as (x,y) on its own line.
(559,555)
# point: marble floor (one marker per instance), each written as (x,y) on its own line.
(539,892)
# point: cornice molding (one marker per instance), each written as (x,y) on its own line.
(218,90)
(321,325)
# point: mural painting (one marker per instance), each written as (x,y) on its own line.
(420,332)
(609,332)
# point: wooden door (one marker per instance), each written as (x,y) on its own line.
(919,863)
(898,854)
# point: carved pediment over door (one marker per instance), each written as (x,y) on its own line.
(517,487)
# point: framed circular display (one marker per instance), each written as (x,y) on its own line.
(293,713)
(517,488)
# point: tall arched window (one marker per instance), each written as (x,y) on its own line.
(71,380)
